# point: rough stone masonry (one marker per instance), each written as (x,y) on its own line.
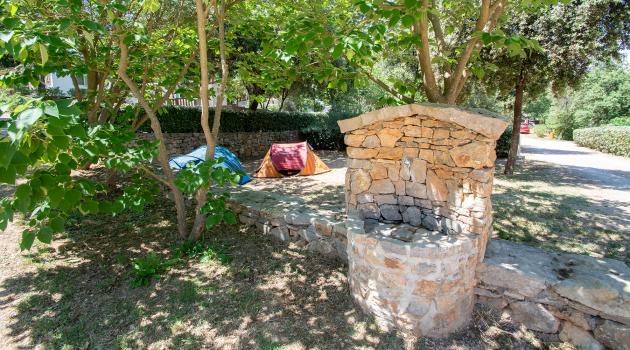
(421,177)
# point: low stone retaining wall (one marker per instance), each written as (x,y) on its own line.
(585,300)
(285,220)
(243,144)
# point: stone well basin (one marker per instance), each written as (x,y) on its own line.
(410,278)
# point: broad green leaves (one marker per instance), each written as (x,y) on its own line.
(210,174)
(46,141)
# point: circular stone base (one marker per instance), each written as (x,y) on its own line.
(424,286)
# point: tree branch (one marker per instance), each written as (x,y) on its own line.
(487,12)
(423,53)
(160,102)
(382,84)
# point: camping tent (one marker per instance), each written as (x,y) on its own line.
(230,161)
(286,159)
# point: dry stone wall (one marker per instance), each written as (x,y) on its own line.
(243,144)
(423,172)
(270,214)
(424,175)
(422,287)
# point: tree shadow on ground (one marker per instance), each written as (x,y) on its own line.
(568,175)
(556,218)
(267,295)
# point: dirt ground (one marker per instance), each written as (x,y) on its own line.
(76,294)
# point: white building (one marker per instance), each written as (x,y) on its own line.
(64,84)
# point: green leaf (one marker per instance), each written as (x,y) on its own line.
(77,131)
(28,117)
(213,220)
(6,36)
(394,20)
(67,108)
(229,217)
(89,206)
(44,234)
(51,109)
(105,207)
(57,224)
(7,151)
(407,20)
(151,5)
(93,26)
(43,51)
(72,197)
(55,195)
(61,142)
(28,237)
(411,3)
(338,51)
(23,197)
(7,175)
(478,72)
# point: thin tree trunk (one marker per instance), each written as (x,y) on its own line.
(169,181)
(285,94)
(516,125)
(211,137)
(253,105)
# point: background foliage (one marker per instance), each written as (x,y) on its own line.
(609,139)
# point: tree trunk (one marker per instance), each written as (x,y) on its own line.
(169,181)
(285,94)
(253,105)
(201,196)
(516,125)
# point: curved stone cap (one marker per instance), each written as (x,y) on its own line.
(487,126)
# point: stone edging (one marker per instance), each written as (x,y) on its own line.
(585,300)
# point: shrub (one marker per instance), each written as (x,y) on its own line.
(609,139)
(205,253)
(620,121)
(319,129)
(147,267)
(540,130)
(503,143)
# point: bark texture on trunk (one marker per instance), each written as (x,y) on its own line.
(201,196)
(516,125)
(169,180)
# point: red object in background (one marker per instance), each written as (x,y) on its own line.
(289,156)
(524,128)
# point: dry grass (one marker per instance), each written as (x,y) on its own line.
(76,295)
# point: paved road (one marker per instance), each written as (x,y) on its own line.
(601,175)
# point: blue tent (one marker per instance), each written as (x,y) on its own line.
(230,161)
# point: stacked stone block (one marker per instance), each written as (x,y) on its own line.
(316,233)
(421,172)
(423,287)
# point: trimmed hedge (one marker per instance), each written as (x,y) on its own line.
(319,129)
(186,119)
(609,139)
